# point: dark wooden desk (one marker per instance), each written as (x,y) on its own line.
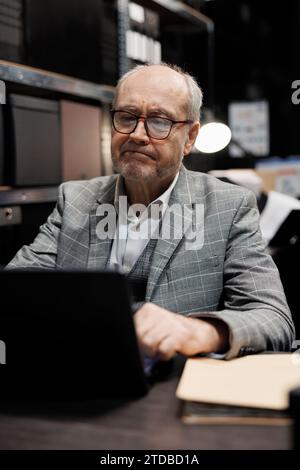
(148,423)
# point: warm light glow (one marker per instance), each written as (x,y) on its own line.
(213,137)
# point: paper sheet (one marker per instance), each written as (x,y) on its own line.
(277,209)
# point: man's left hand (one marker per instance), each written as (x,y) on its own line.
(162,334)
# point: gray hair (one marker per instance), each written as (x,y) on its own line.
(195,93)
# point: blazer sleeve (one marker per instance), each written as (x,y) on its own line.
(255,307)
(42,253)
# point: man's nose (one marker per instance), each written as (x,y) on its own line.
(140,134)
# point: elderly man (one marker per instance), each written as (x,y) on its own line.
(220,294)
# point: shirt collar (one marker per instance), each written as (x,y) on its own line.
(162,199)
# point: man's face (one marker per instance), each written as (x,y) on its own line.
(156,91)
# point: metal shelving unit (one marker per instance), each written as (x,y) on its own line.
(23,209)
(45,80)
(42,79)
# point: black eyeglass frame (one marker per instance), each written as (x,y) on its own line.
(144,118)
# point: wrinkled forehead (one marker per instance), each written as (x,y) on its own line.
(155,86)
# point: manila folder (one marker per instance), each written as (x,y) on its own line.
(259,381)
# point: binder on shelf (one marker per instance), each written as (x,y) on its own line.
(81,139)
(33,142)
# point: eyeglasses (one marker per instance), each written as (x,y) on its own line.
(156,127)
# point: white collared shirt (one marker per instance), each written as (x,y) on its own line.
(133,230)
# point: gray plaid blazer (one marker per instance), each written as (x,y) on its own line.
(228,276)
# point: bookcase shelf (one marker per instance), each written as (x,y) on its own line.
(25,75)
(20,196)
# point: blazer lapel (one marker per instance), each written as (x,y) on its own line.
(176,222)
(100,247)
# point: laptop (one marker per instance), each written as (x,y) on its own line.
(68,335)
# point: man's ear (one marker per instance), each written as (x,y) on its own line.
(191,137)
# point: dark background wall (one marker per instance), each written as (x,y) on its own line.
(257,55)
